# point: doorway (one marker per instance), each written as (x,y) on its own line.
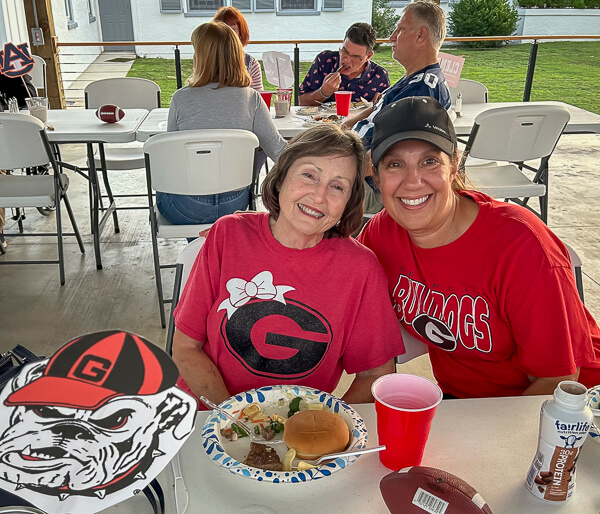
(117,23)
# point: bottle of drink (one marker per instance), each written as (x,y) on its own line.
(564,424)
(458,106)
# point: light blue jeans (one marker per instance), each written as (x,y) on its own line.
(196,210)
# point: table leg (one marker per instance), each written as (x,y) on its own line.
(95,200)
(111,200)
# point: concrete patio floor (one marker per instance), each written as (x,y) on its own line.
(42,315)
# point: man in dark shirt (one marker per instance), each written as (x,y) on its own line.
(349,69)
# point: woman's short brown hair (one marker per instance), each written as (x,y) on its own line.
(218,57)
(231,14)
(319,141)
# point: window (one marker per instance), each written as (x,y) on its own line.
(91,16)
(297,7)
(264,5)
(242,5)
(333,5)
(71,24)
(205,6)
(168,6)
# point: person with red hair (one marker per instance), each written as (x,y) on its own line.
(232,17)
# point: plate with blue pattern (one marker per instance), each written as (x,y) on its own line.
(594,404)
(275,400)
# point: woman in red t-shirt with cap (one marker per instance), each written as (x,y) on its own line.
(485,284)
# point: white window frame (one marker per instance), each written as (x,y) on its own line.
(298,12)
(170,11)
(91,16)
(332,9)
(192,12)
(71,23)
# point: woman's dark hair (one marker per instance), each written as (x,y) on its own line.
(319,141)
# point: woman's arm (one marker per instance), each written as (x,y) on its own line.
(197,369)
(255,74)
(360,390)
(546,385)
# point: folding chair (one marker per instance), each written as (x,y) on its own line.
(24,144)
(127,93)
(473,92)
(515,134)
(38,74)
(195,162)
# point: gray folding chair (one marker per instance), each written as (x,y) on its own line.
(127,93)
(195,162)
(515,135)
(24,144)
(38,74)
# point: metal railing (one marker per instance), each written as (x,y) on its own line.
(176,55)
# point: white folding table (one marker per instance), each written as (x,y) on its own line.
(489,442)
(82,126)
(581,122)
(156,123)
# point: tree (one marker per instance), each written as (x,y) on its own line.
(483,18)
(383,19)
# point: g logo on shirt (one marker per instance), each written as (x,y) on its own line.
(273,339)
(272,336)
(435,331)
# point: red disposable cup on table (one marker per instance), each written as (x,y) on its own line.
(266,96)
(342,102)
(405,406)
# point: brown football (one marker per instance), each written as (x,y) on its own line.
(421,489)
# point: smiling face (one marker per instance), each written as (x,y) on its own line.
(312,198)
(353,58)
(416,189)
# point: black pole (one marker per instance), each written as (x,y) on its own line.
(178,67)
(530,70)
(296,73)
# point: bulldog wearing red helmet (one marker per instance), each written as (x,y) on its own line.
(92,420)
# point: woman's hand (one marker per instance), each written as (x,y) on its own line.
(546,385)
(360,389)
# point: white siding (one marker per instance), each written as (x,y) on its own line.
(152,25)
(74,60)
(13,26)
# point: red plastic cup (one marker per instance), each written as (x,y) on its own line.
(405,406)
(266,96)
(342,102)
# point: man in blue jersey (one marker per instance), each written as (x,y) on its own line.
(415,44)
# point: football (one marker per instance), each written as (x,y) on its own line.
(420,489)
(110,113)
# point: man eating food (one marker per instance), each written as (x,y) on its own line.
(349,69)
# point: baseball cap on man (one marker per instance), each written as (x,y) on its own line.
(415,117)
(90,370)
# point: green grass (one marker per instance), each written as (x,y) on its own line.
(565,71)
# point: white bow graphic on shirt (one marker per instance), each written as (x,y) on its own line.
(261,286)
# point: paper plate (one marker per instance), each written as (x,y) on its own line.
(594,404)
(354,106)
(325,118)
(230,455)
(310,111)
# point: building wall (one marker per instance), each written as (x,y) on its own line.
(74,60)
(13,26)
(152,25)
(563,22)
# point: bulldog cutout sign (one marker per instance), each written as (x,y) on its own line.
(92,425)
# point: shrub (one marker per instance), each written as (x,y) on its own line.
(483,18)
(383,19)
(559,4)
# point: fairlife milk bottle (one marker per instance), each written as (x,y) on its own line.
(564,425)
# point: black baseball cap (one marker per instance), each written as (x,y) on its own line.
(415,117)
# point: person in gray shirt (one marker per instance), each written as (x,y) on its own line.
(217,96)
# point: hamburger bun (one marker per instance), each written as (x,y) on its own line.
(313,433)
